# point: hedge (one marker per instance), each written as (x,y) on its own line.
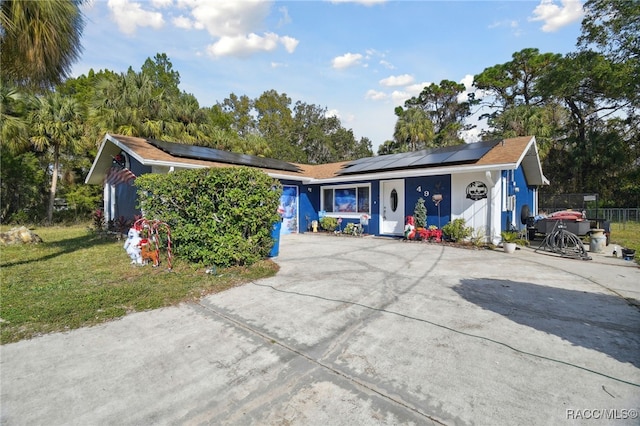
(218,216)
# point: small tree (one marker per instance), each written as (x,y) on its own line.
(420,214)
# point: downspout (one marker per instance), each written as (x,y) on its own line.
(492,184)
(109,202)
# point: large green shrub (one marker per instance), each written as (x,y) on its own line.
(456,230)
(218,216)
(329,223)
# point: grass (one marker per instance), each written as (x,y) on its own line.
(76,278)
(626,235)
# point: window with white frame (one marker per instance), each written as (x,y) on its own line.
(346,199)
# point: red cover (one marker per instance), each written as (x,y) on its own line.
(566,215)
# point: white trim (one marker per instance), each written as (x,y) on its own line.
(402,174)
(302,180)
(346,215)
(95,162)
(532,145)
(173,164)
(123,147)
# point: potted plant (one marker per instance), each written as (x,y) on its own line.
(510,241)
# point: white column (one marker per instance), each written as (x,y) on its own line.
(109,202)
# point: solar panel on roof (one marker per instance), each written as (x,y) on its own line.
(466,153)
(355,168)
(433,159)
(404,162)
(211,154)
(363,160)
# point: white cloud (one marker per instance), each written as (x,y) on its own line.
(161,3)
(416,89)
(278,65)
(397,80)
(130,15)
(375,95)
(471,135)
(556,17)
(347,60)
(289,43)
(227,17)
(506,23)
(242,45)
(286,19)
(373,53)
(387,65)
(467,80)
(183,22)
(332,113)
(399,97)
(514,25)
(234,24)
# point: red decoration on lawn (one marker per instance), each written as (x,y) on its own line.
(150,242)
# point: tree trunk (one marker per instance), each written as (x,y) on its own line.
(54,183)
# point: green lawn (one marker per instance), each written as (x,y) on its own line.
(626,235)
(76,278)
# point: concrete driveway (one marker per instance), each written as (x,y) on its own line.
(356,331)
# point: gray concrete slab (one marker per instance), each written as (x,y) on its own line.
(355,331)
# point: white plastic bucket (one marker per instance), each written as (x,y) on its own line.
(598,241)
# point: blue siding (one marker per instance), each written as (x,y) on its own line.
(524,196)
(440,184)
(308,203)
(126,195)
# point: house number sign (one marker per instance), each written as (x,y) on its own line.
(419,189)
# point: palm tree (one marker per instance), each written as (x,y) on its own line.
(56,125)
(414,128)
(39,40)
(126,104)
(14,132)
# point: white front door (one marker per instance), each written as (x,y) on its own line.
(392,207)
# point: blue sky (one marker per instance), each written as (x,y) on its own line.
(359,59)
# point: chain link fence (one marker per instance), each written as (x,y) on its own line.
(587,202)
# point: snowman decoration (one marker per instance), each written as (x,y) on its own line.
(410,228)
(132,246)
